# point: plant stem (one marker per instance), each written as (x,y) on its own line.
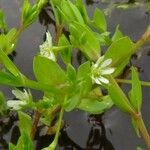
(130,82)
(143,131)
(59,29)
(55,141)
(36,119)
(145,37)
(19,31)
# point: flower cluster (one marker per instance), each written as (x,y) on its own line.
(100,69)
(46,48)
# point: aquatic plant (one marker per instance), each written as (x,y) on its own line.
(71,87)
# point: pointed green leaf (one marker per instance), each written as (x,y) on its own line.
(117,35)
(25,123)
(136,92)
(48,72)
(72,103)
(119,51)
(71,72)
(118,97)
(66,53)
(99,20)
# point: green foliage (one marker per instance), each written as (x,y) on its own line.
(99,21)
(6,41)
(72,86)
(96,106)
(48,72)
(69,12)
(3,24)
(66,53)
(136,91)
(24,142)
(83,38)
(120,51)
(119,98)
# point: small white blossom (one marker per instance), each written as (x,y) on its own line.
(24,98)
(15,104)
(100,69)
(46,48)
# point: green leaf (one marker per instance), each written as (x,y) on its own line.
(25,123)
(73,102)
(81,7)
(84,70)
(117,35)
(119,51)
(7,78)
(29,13)
(118,97)
(136,92)
(95,106)
(3,24)
(84,38)
(66,53)
(9,64)
(71,72)
(70,12)
(48,72)
(83,78)
(24,143)
(12,147)
(99,20)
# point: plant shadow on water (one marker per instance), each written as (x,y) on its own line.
(96,137)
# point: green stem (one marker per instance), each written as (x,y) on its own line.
(145,37)
(54,143)
(143,131)
(144,83)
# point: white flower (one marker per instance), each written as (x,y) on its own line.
(15,104)
(100,69)
(46,48)
(24,98)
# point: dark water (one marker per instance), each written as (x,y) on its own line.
(113,130)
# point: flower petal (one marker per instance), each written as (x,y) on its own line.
(15,104)
(107,71)
(97,81)
(106,63)
(104,80)
(100,60)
